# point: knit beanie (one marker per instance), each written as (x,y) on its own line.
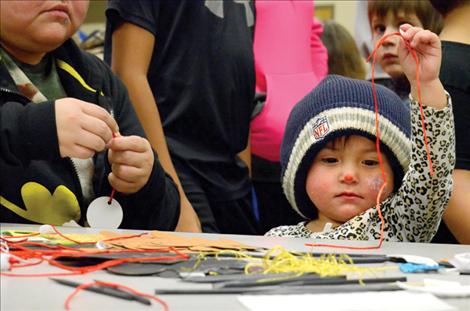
(336,107)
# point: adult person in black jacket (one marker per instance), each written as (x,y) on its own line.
(59,110)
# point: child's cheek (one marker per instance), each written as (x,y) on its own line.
(319,190)
(373,185)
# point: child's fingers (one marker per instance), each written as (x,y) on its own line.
(404,28)
(129,174)
(121,185)
(132,143)
(100,113)
(91,141)
(97,127)
(127,157)
(408,32)
(425,37)
(80,152)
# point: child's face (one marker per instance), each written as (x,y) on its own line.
(39,26)
(345,178)
(387,55)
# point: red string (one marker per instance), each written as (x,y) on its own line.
(377,141)
(418,74)
(53,252)
(14,239)
(84,270)
(113,285)
(113,192)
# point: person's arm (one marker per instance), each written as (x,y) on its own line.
(456,215)
(34,131)
(27,132)
(131,54)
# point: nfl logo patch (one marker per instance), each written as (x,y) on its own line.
(320,128)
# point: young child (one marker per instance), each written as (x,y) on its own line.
(59,110)
(330,167)
(385,17)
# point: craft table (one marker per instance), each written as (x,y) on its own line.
(43,294)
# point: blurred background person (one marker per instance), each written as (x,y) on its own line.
(290,60)
(455,75)
(343,55)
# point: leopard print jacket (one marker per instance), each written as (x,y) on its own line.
(414,212)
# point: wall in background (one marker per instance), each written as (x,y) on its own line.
(344,12)
(95,18)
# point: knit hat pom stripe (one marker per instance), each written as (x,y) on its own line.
(343,121)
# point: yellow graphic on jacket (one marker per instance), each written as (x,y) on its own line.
(42,207)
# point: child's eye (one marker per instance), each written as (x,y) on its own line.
(379,29)
(329,160)
(370,162)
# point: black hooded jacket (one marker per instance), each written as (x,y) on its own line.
(37,185)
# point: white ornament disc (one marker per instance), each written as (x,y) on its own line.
(101,214)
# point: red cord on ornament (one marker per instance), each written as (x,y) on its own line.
(113,192)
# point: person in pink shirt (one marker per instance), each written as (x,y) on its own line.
(290,60)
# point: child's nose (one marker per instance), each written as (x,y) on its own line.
(391,40)
(348,178)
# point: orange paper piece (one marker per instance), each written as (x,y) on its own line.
(163,240)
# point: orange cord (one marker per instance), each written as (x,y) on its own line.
(52,252)
(377,142)
(113,192)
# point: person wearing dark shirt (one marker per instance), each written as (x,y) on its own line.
(189,69)
(455,75)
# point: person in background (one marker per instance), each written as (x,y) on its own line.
(59,110)
(363,38)
(189,69)
(455,75)
(290,60)
(332,173)
(385,17)
(343,56)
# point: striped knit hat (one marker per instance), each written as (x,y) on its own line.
(337,107)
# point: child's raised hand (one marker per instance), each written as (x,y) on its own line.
(131,160)
(82,128)
(428,50)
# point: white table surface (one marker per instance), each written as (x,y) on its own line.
(44,294)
